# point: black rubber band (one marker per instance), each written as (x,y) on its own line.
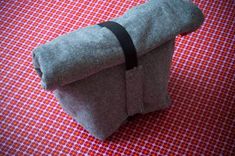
(125,41)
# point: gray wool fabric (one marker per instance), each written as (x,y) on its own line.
(86,68)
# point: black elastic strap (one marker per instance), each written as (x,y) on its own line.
(125,41)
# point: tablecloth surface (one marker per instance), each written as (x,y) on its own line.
(201,119)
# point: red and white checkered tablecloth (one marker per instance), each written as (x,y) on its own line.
(201,120)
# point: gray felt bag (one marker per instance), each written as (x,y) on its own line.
(87,71)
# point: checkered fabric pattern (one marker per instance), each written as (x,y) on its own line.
(201,119)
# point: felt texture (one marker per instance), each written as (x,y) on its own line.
(86,70)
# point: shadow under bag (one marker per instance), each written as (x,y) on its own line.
(103,73)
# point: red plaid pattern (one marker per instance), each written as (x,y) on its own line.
(201,119)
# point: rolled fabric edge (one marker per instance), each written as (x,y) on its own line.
(42,72)
(51,78)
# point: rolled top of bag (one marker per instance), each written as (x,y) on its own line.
(86,51)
